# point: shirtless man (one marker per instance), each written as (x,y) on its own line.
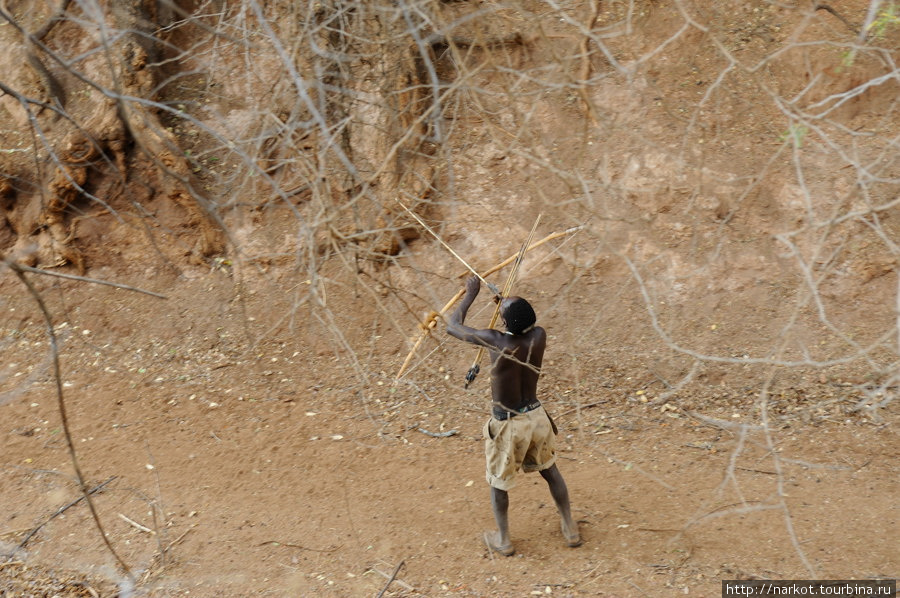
(520,434)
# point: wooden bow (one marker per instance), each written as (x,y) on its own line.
(431,320)
(507,289)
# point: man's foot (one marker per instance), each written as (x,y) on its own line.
(574,541)
(571,535)
(492,540)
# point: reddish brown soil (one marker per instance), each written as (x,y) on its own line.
(252,440)
(269,475)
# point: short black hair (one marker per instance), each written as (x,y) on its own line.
(519,316)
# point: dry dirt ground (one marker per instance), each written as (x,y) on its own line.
(244,441)
(261,472)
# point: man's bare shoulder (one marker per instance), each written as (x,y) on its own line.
(487,337)
(538,333)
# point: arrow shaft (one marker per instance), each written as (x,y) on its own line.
(422,223)
(428,325)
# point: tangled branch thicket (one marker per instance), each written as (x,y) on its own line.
(728,157)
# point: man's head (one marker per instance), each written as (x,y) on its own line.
(517,314)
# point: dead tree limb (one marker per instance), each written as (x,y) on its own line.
(93,280)
(63,415)
(56,514)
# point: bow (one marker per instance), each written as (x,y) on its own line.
(432,318)
(507,288)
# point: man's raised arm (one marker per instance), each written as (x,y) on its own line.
(455,323)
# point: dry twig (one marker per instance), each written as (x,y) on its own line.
(59,512)
(391,579)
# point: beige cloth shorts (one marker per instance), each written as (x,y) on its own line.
(526,441)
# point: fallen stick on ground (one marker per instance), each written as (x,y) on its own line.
(289,545)
(438,434)
(588,406)
(156,562)
(136,525)
(391,579)
(399,582)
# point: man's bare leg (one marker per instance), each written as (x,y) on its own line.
(560,494)
(499,541)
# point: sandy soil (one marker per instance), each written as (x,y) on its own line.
(247,438)
(260,473)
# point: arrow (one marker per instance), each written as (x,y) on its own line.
(492,287)
(431,320)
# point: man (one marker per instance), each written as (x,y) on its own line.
(520,434)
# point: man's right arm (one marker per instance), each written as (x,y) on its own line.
(455,323)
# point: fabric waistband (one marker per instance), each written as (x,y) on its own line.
(501,413)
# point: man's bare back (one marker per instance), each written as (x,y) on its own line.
(515,358)
(516,367)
